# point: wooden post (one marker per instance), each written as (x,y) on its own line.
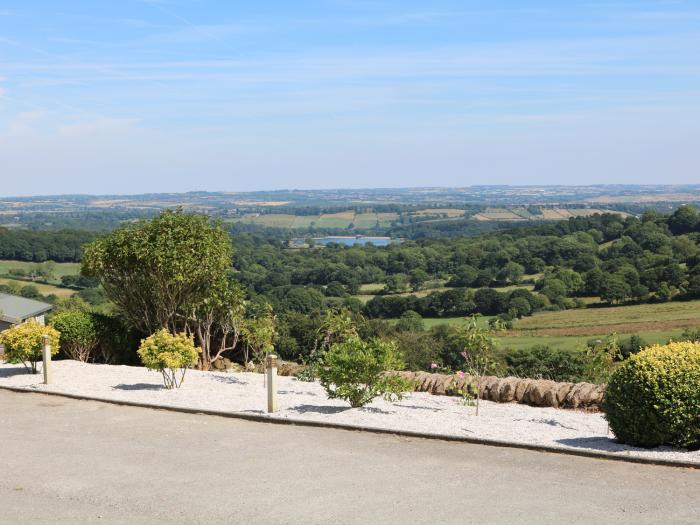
(48,376)
(271,365)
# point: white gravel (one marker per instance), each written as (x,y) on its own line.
(420,412)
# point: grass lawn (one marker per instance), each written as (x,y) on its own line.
(60,269)
(573,342)
(620,319)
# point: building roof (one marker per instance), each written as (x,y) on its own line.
(14,309)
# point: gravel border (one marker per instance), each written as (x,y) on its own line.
(579,433)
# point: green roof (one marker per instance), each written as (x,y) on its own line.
(14,309)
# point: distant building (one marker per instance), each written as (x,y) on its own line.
(15,310)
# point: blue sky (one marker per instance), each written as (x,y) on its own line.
(177,95)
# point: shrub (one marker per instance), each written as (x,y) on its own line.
(654,398)
(357,371)
(171,354)
(79,334)
(24,343)
(543,362)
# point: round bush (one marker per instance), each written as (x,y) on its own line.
(654,398)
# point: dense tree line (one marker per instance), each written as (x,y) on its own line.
(39,246)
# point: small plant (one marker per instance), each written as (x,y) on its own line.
(24,343)
(468,392)
(259,332)
(653,398)
(478,353)
(337,326)
(170,354)
(602,359)
(358,371)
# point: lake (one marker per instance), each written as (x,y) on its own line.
(350,240)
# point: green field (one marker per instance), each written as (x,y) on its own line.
(44,289)
(569,329)
(340,220)
(59,269)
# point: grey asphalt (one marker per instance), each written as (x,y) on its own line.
(65,461)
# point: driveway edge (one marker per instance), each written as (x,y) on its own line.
(376,430)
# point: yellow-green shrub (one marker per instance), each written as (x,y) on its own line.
(170,354)
(654,398)
(24,343)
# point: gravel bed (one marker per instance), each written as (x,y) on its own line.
(417,412)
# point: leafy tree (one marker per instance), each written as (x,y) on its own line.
(24,343)
(615,289)
(217,321)
(169,354)
(154,271)
(410,321)
(684,220)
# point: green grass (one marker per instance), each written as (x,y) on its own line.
(644,317)
(365,220)
(44,289)
(573,342)
(60,269)
(482,321)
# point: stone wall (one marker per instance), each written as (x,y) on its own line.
(535,392)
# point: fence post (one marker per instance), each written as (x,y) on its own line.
(271,366)
(48,376)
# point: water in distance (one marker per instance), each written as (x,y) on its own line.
(348,240)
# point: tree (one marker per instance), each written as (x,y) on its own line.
(154,271)
(410,321)
(169,354)
(615,289)
(217,321)
(79,334)
(684,220)
(24,343)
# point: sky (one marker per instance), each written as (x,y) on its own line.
(134,96)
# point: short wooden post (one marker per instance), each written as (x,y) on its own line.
(48,376)
(271,366)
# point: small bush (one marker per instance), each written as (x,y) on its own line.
(24,343)
(356,371)
(170,354)
(654,398)
(543,362)
(79,334)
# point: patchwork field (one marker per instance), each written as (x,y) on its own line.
(569,329)
(341,220)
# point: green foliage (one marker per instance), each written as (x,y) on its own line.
(259,332)
(24,343)
(154,271)
(543,362)
(79,334)
(170,354)
(602,359)
(653,399)
(359,371)
(478,353)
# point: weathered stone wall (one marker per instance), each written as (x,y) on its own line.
(535,392)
